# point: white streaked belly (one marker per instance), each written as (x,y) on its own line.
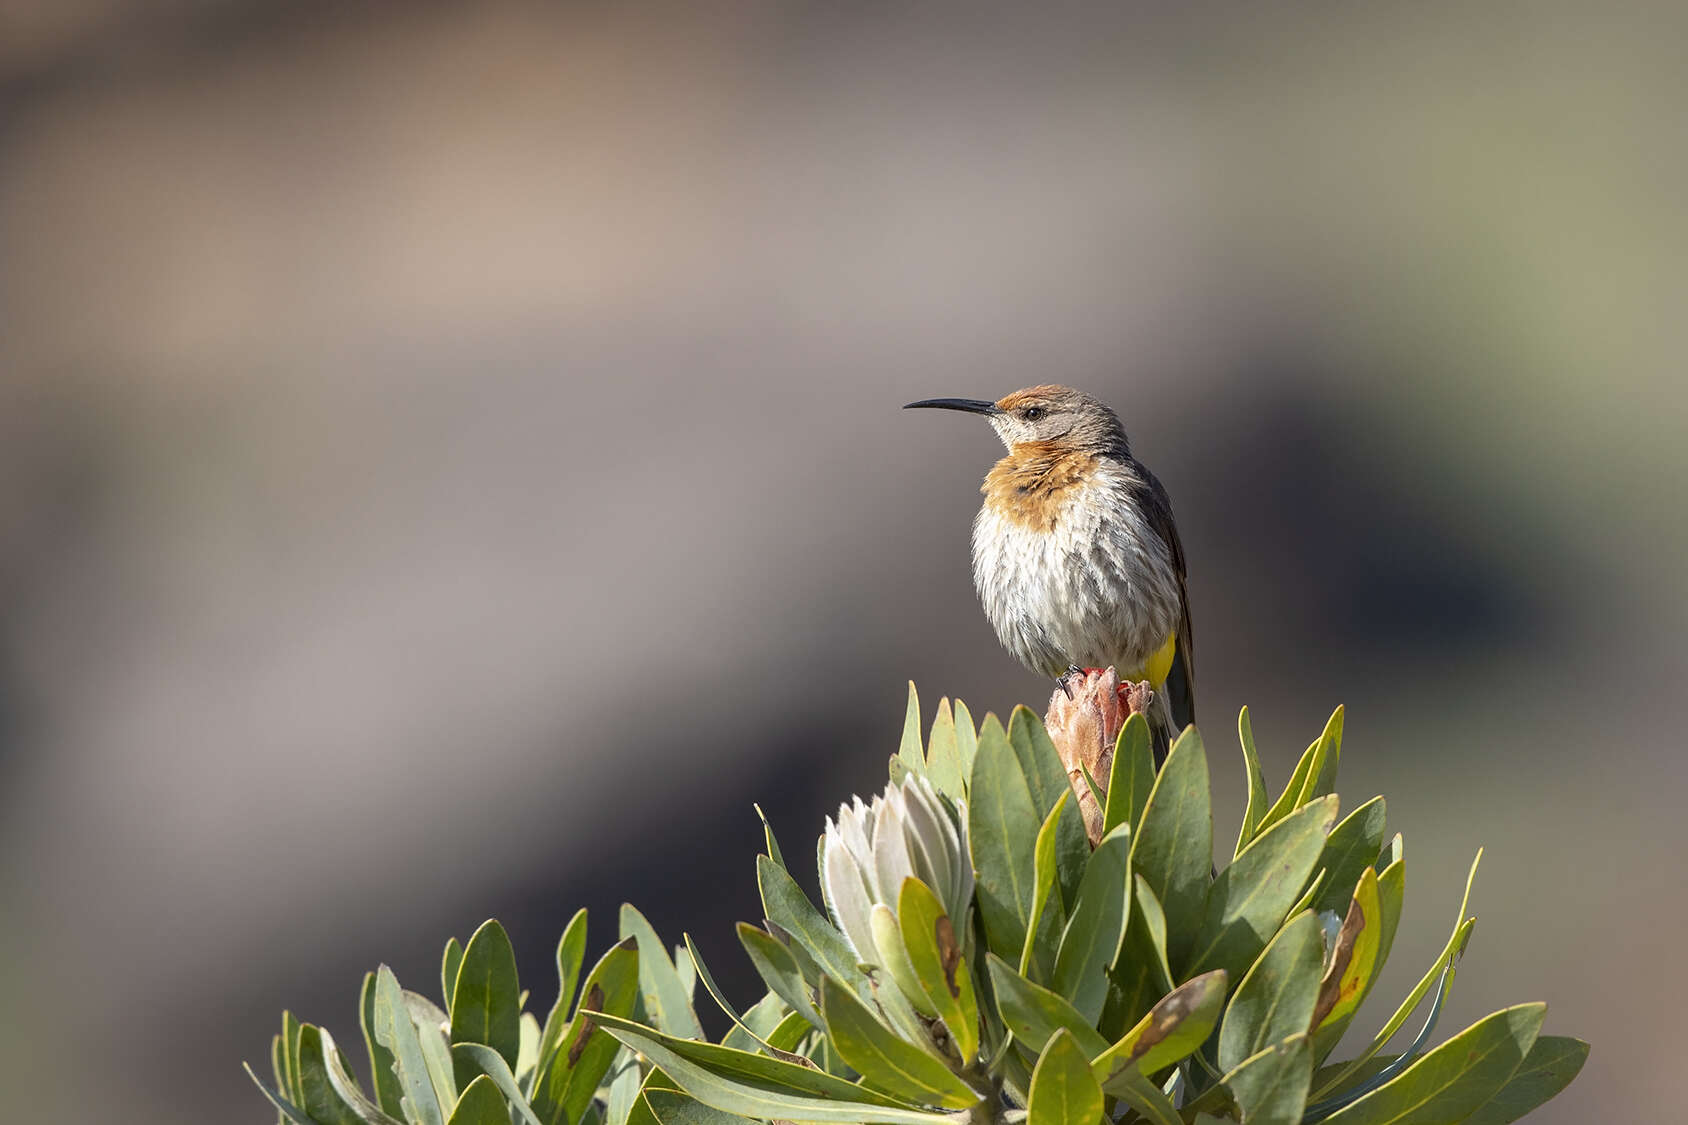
(1098,589)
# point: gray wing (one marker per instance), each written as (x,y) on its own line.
(1181,681)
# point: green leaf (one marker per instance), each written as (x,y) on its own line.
(569,1076)
(1173,850)
(1172,1031)
(909,752)
(770,1016)
(943,754)
(346,1086)
(395,1031)
(1034,1013)
(820,950)
(1270,1087)
(1154,928)
(667,1001)
(288,1110)
(1096,930)
(1257,799)
(278,1063)
(659,1083)
(1453,1081)
(1353,967)
(1064,1092)
(1043,884)
(889,996)
(1397,850)
(489,1064)
(767,1014)
(1350,1077)
(695,959)
(1047,780)
(886,1061)
(772,844)
(1276,998)
(624,1087)
(785,905)
(1314,886)
(1146,1099)
(287,1079)
(779,970)
(757,1086)
(486,1000)
(431,1031)
(1000,821)
(1450,952)
(1322,781)
(966,738)
(708,1094)
(1343,1075)
(1290,799)
(669,1107)
(1140,975)
(318,1097)
(1251,898)
(741,1066)
(1391,895)
(481,1104)
(1354,846)
(383,1072)
(1016,1071)
(1097,797)
(1133,775)
(571,955)
(449,965)
(790,1032)
(940,964)
(894,961)
(686,970)
(1315,773)
(758,1021)
(527,1056)
(1550,1066)
(822,1054)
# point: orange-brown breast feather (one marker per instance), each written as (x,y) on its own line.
(1034,482)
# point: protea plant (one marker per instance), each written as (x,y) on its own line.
(910,840)
(1020,928)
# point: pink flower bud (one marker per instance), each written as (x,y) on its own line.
(1084,720)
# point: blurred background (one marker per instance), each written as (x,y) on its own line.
(451,466)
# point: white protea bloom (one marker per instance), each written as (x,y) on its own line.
(870,849)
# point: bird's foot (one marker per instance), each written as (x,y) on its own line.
(1133,695)
(1081,673)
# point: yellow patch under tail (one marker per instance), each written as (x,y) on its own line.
(1159,666)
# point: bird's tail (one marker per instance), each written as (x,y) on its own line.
(1174,706)
(1162,728)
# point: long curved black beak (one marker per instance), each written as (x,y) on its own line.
(971,405)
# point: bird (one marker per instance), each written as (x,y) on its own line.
(1076,556)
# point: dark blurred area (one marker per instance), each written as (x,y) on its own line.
(451,466)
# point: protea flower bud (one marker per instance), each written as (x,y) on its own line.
(869,850)
(1084,720)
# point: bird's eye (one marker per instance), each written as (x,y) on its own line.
(1032,413)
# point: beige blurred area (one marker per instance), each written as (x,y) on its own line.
(451,466)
